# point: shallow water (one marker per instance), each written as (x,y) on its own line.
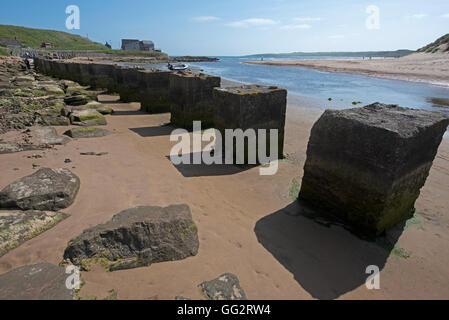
(343,89)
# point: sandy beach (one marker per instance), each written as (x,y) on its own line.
(420,67)
(248,224)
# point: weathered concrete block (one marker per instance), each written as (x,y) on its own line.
(60,69)
(154,90)
(191,98)
(74,71)
(367,165)
(251,107)
(127,79)
(103,76)
(84,74)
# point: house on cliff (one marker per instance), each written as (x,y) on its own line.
(136,45)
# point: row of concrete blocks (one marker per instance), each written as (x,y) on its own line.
(150,87)
(188,96)
(365,166)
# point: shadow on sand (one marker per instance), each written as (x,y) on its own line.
(324,258)
(157,131)
(203,170)
(129,113)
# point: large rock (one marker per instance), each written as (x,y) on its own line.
(367,165)
(55,120)
(52,89)
(16,227)
(101,108)
(41,281)
(87,132)
(47,136)
(46,189)
(137,237)
(87,117)
(9,147)
(24,78)
(12,147)
(77,100)
(225,287)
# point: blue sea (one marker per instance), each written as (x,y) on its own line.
(342,89)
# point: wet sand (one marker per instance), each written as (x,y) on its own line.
(247,223)
(419,67)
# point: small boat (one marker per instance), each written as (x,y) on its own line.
(177,67)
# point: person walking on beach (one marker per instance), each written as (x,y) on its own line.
(27,62)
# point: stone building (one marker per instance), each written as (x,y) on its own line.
(136,45)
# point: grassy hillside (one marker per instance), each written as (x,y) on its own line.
(35,37)
(440,45)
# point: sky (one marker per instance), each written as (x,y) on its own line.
(241,27)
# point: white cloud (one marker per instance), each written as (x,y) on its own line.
(307,19)
(296,26)
(205,18)
(253,22)
(419,16)
(445,16)
(337,36)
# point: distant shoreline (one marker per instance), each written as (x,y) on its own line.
(418,67)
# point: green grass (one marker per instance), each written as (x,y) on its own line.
(434,46)
(4,52)
(63,41)
(294,190)
(401,252)
(415,222)
(35,37)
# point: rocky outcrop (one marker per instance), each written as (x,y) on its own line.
(41,281)
(225,287)
(137,237)
(16,227)
(88,132)
(191,96)
(46,189)
(367,165)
